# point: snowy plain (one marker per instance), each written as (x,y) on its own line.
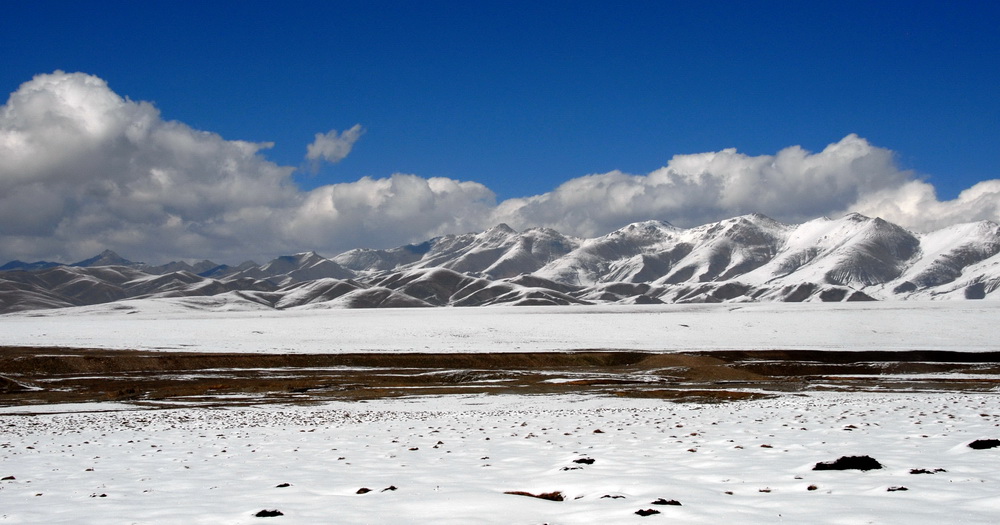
(451,459)
(200,326)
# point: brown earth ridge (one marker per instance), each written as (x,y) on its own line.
(38,376)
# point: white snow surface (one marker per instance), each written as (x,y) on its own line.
(229,324)
(450,460)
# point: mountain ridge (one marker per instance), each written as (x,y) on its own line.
(747,258)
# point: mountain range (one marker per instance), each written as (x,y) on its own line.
(746,258)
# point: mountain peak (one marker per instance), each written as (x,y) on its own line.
(307,255)
(657,224)
(646,226)
(105,258)
(757,217)
(856,217)
(501,228)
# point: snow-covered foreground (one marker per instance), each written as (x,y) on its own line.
(171,324)
(451,459)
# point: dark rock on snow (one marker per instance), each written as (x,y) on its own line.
(925,471)
(551,496)
(981,444)
(850,463)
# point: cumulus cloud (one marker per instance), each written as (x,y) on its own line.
(333,147)
(83,169)
(793,185)
(392,211)
(915,205)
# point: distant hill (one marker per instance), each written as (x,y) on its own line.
(105,258)
(21,265)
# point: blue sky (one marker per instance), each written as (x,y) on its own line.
(524,96)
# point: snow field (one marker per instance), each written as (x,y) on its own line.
(170,325)
(452,458)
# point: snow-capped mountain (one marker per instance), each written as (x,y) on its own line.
(296,268)
(657,252)
(747,258)
(497,253)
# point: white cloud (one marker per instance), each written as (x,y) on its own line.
(793,185)
(388,212)
(915,205)
(82,169)
(333,147)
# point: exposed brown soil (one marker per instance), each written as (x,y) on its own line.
(57,375)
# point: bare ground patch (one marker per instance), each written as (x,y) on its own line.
(58,375)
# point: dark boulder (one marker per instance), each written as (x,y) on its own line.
(850,463)
(981,444)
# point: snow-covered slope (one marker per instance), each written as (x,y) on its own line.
(853,251)
(636,251)
(496,253)
(300,267)
(655,251)
(370,261)
(948,255)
